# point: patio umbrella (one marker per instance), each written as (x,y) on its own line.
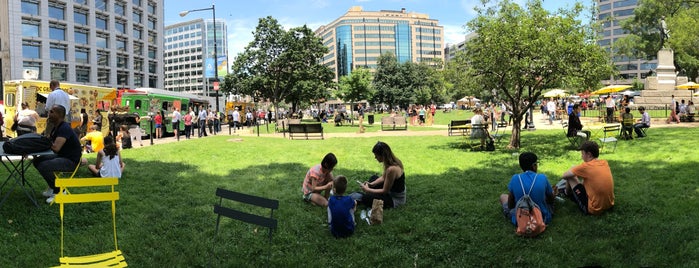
(690,86)
(554,93)
(611,89)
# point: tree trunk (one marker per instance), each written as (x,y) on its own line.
(516,130)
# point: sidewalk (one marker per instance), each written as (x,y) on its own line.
(439,130)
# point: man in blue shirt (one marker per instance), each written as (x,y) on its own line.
(67,147)
(541,193)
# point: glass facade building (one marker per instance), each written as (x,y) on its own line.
(358,38)
(113,43)
(611,14)
(189,55)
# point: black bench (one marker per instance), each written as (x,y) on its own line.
(267,222)
(306,131)
(462,126)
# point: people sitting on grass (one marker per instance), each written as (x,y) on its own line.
(94,140)
(590,185)
(541,192)
(390,186)
(575,128)
(319,181)
(341,210)
(109,162)
(644,122)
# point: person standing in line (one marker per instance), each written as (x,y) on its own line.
(194,118)
(236,119)
(158,125)
(673,112)
(26,120)
(609,104)
(135,129)
(202,121)
(98,119)
(551,108)
(248,118)
(57,97)
(210,121)
(188,125)
(83,122)
(176,116)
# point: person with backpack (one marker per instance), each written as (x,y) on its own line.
(530,183)
(595,192)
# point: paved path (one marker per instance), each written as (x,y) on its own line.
(439,130)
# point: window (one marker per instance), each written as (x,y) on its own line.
(58,52)
(151,23)
(119,9)
(151,8)
(82,74)
(80,16)
(136,16)
(122,78)
(138,81)
(138,64)
(102,41)
(30,28)
(102,58)
(137,48)
(59,72)
(120,27)
(151,52)
(30,7)
(57,11)
(57,32)
(81,36)
(122,61)
(31,49)
(137,33)
(30,65)
(151,38)
(101,5)
(82,2)
(152,67)
(121,44)
(103,76)
(101,22)
(136,2)
(82,55)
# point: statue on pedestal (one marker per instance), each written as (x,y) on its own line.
(664,32)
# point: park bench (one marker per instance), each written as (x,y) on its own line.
(394,123)
(306,131)
(267,222)
(459,126)
(282,125)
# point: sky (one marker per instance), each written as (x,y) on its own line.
(242,16)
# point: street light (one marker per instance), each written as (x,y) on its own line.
(213,10)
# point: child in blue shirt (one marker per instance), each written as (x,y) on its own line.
(341,210)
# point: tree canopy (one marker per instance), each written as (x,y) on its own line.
(521,51)
(281,66)
(644,38)
(402,84)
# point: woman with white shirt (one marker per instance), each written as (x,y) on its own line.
(26,120)
(479,132)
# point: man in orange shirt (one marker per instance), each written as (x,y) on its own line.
(595,192)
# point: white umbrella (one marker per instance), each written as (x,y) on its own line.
(555,93)
(475,99)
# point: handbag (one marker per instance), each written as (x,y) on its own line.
(376,212)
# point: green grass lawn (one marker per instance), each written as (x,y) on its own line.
(452,219)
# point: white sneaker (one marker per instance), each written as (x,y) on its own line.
(48,192)
(50,199)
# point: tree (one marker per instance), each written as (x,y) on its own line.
(402,84)
(387,80)
(356,86)
(644,38)
(280,66)
(520,52)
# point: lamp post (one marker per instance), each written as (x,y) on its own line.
(213,10)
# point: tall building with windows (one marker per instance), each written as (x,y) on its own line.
(189,56)
(611,14)
(359,37)
(114,43)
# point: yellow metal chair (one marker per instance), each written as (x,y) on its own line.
(110,259)
(63,175)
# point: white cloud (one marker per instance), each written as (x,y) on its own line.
(454,34)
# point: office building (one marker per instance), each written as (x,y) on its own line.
(113,43)
(359,37)
(189,56)
(611,14)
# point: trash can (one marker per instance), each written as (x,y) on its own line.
(371,119)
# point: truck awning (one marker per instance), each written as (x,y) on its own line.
(47,95)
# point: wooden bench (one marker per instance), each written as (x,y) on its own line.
(394,123)
(306,131)
(462,126)
(267,222)
(283,124)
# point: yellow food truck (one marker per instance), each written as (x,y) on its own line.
(35,92)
